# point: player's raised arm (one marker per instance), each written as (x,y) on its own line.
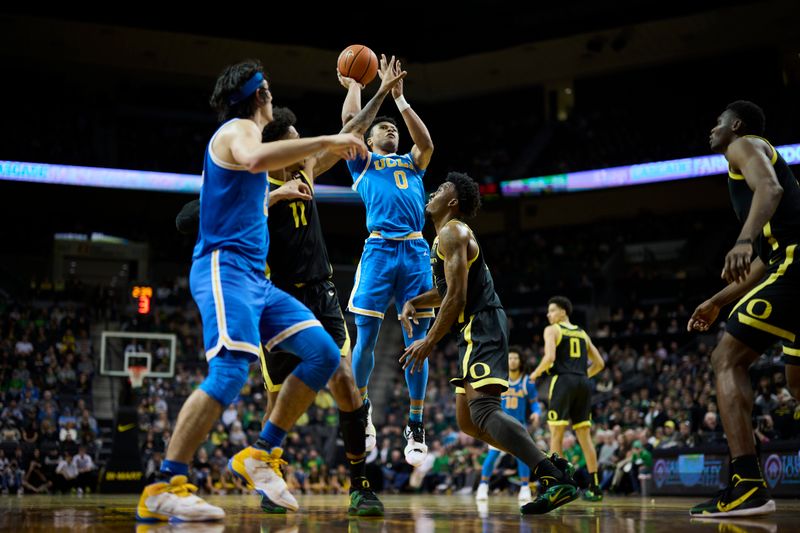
(246,148)
(744,154)
(423,144)
(362,118)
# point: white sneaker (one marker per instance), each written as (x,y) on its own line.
(80,491)
(175,501)
(482,493)
(261,471)
(371,435)
(483,509)
(416,450)
(524,495)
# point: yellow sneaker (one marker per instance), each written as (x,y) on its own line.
(175,502)
(261,471)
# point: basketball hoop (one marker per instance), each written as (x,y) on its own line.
(137,375)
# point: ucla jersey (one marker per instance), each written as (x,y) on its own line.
(392,190)
(233,210)
(518,396)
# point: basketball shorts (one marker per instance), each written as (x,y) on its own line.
(483,350)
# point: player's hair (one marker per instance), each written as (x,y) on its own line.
(523,364)
(469,196)
(230,80)
(752,117)
(282,119)
(377,121)
(563,302)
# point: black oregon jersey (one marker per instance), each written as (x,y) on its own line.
(784,226)
(297,252)
(480,285)
(572,351)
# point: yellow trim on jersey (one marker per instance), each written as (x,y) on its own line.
(763,326)
(552,384)
(739,177)
(276,181)
(558,422)
(586,423)
(770,280)
(268,384)
(791,351)
(288,332)
(489,381)
(410,237)
(460,390)
(770,239)
(560,336)
(467,337)
(345,349)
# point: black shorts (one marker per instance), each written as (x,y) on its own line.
(483,350)
(769,312)
(570,401)
(322,299)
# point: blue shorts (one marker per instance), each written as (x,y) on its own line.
(241,308)
(391,268)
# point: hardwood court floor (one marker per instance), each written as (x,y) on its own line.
(417,514)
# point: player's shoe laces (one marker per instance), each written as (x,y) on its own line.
(555,492)
(175,502)
(482,494)
(261,471)
(416,450)
(371,435)
(742,497)
(524,495)
(364,502)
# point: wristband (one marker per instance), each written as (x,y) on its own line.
(402,105)
(744,241)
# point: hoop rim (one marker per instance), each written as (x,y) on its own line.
(137,373)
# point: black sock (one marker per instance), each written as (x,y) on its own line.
(488,416)
(353,426)
(747,467)
(594,483)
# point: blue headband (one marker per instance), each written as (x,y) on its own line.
(247,89)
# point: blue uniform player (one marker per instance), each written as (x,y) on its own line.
(521,401)
(239,307)
(395,262)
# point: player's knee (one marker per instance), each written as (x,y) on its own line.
(342,378)
(227,374)
(368,328)
(482,408)
(320,360)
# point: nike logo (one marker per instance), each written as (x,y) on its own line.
(725,507)
(555,496)
(126,427)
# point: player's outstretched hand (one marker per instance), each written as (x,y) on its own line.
(391,75)
(737,262)
(416,354)
(408,314)
(295,190)
(702,318)
(346,82)
(347,146)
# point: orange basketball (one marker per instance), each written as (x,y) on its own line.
(358,62)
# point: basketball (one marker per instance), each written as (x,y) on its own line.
(358,62)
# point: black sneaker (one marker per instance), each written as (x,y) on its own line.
(416,450)
(554,492)
(742,497)
(364,502)
(593,494)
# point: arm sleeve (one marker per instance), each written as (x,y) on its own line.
(188,220)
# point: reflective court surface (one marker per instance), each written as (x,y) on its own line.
(414,513)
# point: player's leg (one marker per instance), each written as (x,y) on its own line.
(557,438)
(229,299)
(288,326)
(524,473)
(747,492)
(413,278)
(486,473)
(558,410)
(584,436)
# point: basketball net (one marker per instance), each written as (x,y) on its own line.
(137,374)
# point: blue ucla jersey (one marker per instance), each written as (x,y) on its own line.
(233,210)
(519,395)
(393,193)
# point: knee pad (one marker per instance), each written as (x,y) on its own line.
(320,357)
(227,374)
(480,409)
